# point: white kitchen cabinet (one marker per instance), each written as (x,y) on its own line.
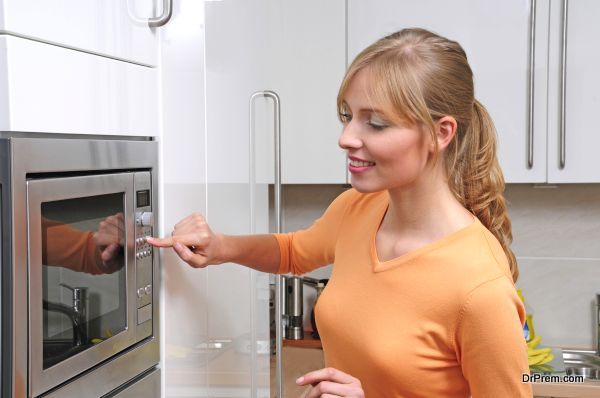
(212,57)
(496,39)
(296,50)
(51,89)
(307,63)
(581,97)
(114,28)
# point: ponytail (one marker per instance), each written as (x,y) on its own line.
(478,183)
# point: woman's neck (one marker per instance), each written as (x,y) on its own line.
(427,209)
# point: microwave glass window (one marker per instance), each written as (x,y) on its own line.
(83,274)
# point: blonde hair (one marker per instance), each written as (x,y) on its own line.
(422,77)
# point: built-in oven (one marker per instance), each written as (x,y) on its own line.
(83,313)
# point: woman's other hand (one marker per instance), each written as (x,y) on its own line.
(193,241)
(331,383)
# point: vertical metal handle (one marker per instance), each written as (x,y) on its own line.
(252,180)
(563,89)
(597,323)
(277,193)
(165,17)
(531,84)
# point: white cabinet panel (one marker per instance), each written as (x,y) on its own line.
(116,28)
(185,292)
(496,40)
(582,98)
(236,67)
(51,89)
(308,61)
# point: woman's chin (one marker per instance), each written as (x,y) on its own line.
(365,188)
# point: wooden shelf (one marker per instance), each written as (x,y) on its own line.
(307,342)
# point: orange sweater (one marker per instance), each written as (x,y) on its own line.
(68,247)
(441,321)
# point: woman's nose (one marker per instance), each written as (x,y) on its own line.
(349,138)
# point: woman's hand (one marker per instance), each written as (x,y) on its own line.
(193,241)
(331,383)
(110,239)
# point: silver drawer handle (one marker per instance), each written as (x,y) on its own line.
(563,89)
(531,85)
(165,17)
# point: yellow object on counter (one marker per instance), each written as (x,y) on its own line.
(535,356)
(528,329)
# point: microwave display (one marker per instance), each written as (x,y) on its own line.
(142,198)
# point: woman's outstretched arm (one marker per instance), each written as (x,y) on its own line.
(196,244)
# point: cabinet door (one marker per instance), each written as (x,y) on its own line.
(237,61)
(582,99)
(116,28)
(308,64)
(50,89)
(183,187)
(496,39)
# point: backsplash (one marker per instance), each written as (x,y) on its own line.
(556,233)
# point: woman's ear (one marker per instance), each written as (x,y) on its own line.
(445,130)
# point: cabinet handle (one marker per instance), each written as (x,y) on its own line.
(531,84)
(157,22)
(277,193)
(563,88)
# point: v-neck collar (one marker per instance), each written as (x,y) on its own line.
(379,266)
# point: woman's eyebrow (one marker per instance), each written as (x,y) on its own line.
(364,110)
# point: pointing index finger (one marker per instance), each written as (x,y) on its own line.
(160,242)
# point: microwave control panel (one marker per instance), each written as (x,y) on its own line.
(144,225)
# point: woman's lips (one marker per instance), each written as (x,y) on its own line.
(359,166)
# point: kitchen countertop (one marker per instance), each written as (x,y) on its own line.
(587,389)
(307,342)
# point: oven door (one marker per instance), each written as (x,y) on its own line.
(81,260)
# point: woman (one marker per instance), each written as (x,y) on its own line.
(423,277)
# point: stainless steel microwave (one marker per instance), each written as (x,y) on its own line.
(79,282)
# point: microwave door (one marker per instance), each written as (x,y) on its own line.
(81,264)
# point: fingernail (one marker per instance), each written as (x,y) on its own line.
(300,380)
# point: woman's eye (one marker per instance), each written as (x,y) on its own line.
(377,123)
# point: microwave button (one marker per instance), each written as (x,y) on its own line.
(148,289)
(141,291)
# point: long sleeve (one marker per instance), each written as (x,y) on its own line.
(490,343)
(68,247)
(305,250)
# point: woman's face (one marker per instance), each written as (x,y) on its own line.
(382,155)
